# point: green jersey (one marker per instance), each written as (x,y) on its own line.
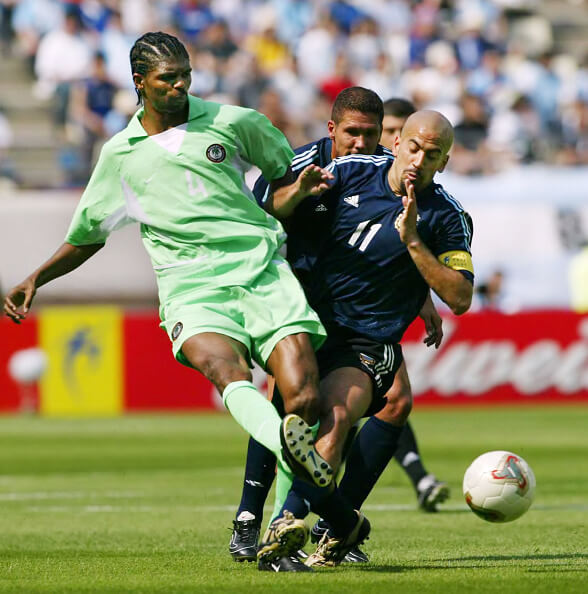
(186,187)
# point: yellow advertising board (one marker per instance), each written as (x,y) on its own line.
(85,361)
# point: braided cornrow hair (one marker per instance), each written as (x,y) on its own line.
(151,49)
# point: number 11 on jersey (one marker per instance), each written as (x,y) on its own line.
(370,234)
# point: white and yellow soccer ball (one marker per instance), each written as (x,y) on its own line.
(499,486)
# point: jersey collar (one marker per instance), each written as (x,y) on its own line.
(136,130)
(423,194)
(326,148)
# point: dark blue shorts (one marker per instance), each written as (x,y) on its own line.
(379,361)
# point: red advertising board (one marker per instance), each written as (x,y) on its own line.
(153,379)
(495,358)
(13,338)
(485,358)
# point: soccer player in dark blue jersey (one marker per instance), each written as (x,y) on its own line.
(354,129)
(372,274)
(430,491)
(381,255)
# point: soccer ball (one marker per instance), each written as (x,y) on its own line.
(499,486)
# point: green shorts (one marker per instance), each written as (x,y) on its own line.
(272,307)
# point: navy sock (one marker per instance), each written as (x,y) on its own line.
(349,440)
(296,503)
(327,502)
(369,454)
(407,455)
(260,471)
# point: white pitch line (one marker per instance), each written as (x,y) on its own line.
(189,508)
(231,508)
(9,479)
(39,495)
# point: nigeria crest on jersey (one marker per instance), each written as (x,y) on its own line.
(177,330)
(216,153)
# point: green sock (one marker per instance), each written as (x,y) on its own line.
(255,414)
(284,480)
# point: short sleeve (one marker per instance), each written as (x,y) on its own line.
(262,144)
(102,206)
(453,232)
(452,241)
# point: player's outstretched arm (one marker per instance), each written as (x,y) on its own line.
(451,286)
(67,258)
(287,193)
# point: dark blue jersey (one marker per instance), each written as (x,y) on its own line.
(363,278)
(346,250)
(304,240)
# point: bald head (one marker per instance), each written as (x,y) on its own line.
(421,151)
(431,125)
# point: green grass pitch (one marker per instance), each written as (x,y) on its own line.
(144,504)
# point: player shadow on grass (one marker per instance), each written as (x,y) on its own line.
(542,556)
(385,568)
(556,569)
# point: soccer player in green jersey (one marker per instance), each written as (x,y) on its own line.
(226,295)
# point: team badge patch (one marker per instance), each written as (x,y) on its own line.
(370,364)
(368,361)
(177,330)
(216,153)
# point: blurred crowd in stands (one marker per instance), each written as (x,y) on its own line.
(491,66)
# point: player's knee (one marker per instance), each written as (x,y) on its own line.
(397,408)
(220,371)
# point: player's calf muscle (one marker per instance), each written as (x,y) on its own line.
(294,368)
(299,389)
(303,403)
(332,434)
